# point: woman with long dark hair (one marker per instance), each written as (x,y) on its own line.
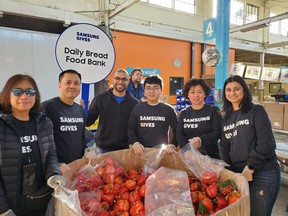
(248,145)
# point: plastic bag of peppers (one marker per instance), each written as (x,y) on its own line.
(131,199)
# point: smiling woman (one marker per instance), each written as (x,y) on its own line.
(20,129)
(200,122)
(20,97)
(248,145)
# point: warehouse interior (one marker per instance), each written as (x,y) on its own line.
(262,41)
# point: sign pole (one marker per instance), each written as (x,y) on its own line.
(222,44)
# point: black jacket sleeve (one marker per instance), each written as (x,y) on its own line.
(4,206)
(50,158)
(265,145)
(224,148)
(93,112)
(132,127)
(173,125)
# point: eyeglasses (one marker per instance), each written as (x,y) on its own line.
(123,79)
(19,92)
(154,89)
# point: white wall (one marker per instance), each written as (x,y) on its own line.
(32,53)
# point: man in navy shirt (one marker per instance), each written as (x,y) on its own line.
(68,120)
(150,121)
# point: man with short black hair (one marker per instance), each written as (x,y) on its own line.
(149,122)
(68,120)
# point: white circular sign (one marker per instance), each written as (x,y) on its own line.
(86,49)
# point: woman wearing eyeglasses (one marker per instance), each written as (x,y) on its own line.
(199,123)
(28,156)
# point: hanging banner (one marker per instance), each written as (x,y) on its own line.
(86,49)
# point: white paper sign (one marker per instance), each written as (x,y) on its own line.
(86,49)
(284,74)
(270,74)
(252,72)
(237,69)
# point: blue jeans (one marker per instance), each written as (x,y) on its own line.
(264,190)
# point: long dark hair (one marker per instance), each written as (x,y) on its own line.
(245,105)
(5,97)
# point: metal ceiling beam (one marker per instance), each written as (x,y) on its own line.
(276,44)
(271,3)
(260,23)
(123,6)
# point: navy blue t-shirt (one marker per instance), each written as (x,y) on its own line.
(30,147)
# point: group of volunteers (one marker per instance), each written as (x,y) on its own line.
(39,140)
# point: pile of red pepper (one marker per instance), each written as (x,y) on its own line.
(209,196)
(111,191)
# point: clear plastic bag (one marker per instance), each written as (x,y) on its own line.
(92,152)
(85,180)
(153,158)
(168,193)
(90,202)
(201,165)
(65,202)
(109,165)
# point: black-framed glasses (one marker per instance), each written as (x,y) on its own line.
(122,79)
(19,92)
(154,89)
